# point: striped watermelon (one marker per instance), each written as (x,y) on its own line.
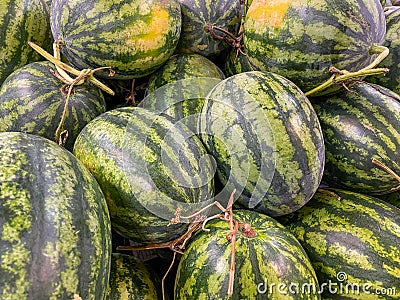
(302,39)
(32,100)
(179,87)
(184,66)
(55,230)
(266,139)
(197,15)
(352,242)
(20,22)
(267,264)
(147,167)
(129,279)
(358,126)
(391,80)
(133,37)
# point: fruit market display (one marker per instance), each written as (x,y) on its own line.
(198,149)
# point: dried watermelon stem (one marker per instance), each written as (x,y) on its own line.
(389,171)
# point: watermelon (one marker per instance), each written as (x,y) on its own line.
(179,87)
(20,22)
(352,241)
(32,100)
(302,39)
(148,168)
(360,126)
(129,279)
(266,139)
(183,66)
(55,229)
(198,15)
(269,263)
(133,37)
(391,80)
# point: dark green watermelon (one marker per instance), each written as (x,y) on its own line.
(269,263)
(359,126)
(352,241)
(184,66)
(147,167)
(32,100)
(179,87)
(302,39)
(55,229)
(197,15)
(134,38)
(266,140)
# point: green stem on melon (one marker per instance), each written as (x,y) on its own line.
(56,53)
(341,76)
(71,70)
(382,52)
(341,79)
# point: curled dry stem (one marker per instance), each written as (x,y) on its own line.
(199,221)
(389,171)
(234,41)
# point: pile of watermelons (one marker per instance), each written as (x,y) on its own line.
(199,149)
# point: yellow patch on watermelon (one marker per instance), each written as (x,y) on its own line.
(267,12)
(150,35)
